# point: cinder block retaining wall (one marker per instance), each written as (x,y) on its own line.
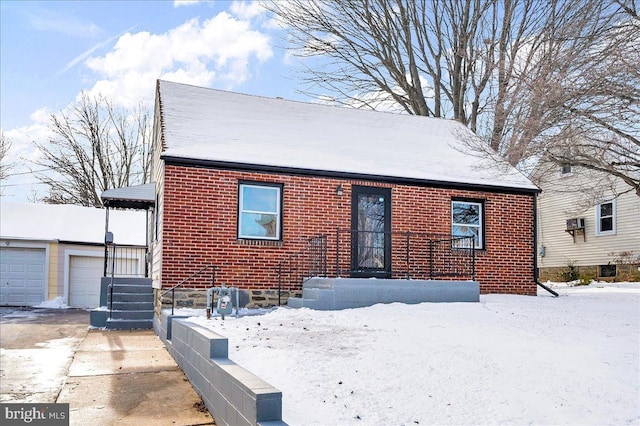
(233,395)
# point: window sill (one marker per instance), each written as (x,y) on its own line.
(267,243)
(604,234)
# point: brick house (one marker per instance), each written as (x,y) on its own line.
(246,182)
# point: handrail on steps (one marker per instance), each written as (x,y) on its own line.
(198,272)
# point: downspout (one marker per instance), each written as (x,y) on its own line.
(147,258)
(106,248)
(535,247)
(535,237)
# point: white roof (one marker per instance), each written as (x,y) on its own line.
(206,124)
(144,192)
(63,222)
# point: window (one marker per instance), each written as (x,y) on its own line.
(565,169)
(259,211)
(607,271)
(467,220)
(606,218)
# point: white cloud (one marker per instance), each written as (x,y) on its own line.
(178,3)
(22,137)
(63,24)
(18,186)
(247,9)
(220,49)
(87,53)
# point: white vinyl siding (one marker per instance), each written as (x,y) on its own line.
(554,208)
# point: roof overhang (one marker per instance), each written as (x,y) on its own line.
(259,168)
(140,197)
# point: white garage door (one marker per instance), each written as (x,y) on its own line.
(22,276)
(84,281)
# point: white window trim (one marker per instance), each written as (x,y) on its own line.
(479,245)
(613,215)
(278,211)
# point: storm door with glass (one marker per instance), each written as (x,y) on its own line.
(371,232)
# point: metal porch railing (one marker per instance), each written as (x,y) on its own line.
(125,261)
(404,255)
(310,262)
(196,274)
(395,255)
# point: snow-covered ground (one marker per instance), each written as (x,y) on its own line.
(574,359)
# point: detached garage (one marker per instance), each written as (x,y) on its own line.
(23,272)
(57,251)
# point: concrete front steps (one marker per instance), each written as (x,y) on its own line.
(344,293)
(132,305)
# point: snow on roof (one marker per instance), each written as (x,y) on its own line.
(63,222)
(136,196)
(206,124)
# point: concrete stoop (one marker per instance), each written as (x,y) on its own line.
(345,293)
(132,305)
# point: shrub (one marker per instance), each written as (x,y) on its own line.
(585,279)
(569,274)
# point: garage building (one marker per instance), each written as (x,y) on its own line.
(50,251)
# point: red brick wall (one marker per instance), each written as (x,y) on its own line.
(200,226)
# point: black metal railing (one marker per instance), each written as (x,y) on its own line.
(125,261)
(408,255)
(395,255)
(310,262)
(193,276)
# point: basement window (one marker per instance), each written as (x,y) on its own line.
(260,211)
(608,271)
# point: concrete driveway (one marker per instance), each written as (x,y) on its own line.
(107,377)
(36,350)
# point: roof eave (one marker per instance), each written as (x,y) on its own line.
(226,165)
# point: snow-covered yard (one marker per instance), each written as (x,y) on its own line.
(508,359)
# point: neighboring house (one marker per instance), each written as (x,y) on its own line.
(49,251)
(245,182)
(587,222)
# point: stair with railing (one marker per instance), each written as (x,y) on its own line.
(125,304)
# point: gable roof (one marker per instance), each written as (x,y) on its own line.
(70,223)
(207,126)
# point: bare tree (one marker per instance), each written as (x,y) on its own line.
(597,102)
(517,72)
(5,166)
(95,147)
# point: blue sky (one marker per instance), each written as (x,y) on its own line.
(53,50)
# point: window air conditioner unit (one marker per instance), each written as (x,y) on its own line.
(575,223)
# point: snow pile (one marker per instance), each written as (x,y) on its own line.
(508,359)
(57,303)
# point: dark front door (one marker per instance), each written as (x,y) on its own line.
(371,232)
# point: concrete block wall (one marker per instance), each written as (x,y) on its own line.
(233,395)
